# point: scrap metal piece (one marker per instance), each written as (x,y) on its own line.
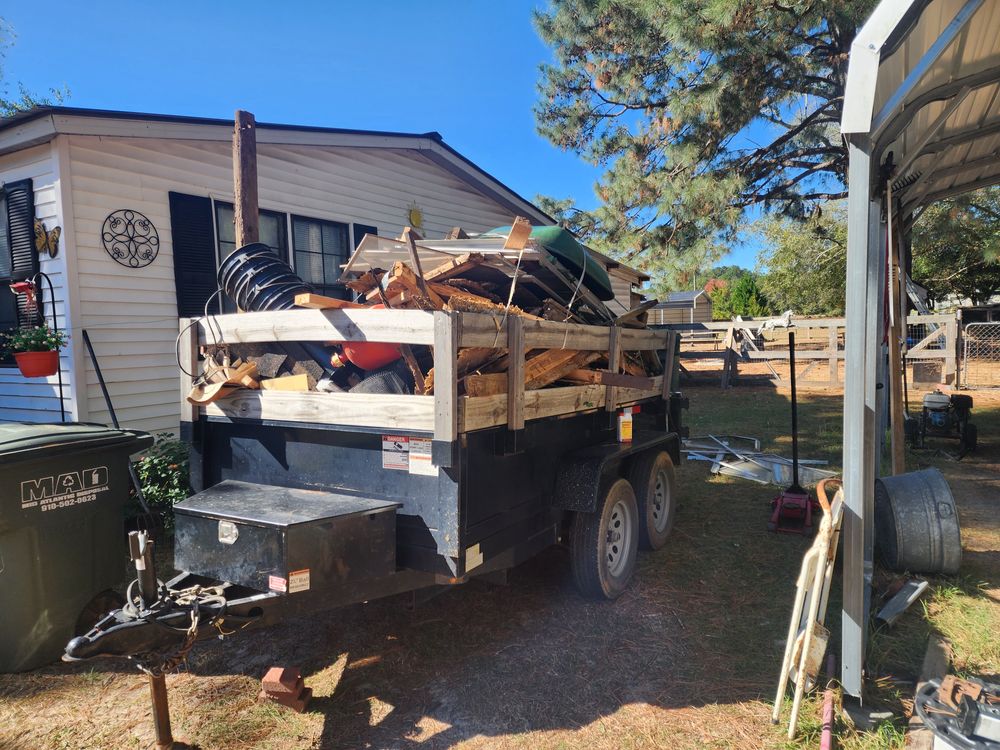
(901,601)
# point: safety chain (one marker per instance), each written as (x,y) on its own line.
(157,664)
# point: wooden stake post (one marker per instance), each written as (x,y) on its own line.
(245,208)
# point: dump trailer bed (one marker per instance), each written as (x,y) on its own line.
(312,500)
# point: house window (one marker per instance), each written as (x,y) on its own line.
(321,248)
(272,229)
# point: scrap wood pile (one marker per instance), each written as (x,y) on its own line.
(533,273)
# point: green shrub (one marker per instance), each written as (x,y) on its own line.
(164,475)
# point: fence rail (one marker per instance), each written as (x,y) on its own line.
(717,350)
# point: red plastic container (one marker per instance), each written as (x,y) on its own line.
(370,355)
(37,364)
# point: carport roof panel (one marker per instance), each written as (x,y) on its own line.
(944,132)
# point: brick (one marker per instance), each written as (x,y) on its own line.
(282,680)
(297,704)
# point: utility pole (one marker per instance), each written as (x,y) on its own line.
(245,206)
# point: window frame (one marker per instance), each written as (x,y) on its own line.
(282,217)
(324,288)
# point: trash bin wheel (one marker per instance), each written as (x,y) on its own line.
(604,543)
(96,608)
(652,478)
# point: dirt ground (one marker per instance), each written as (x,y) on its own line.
(687,658)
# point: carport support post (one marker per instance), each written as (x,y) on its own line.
(141,551)
(856,411)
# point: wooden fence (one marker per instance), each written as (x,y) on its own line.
(717,351)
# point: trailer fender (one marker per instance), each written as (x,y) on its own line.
(583,474)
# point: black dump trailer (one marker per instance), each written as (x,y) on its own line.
(313,500)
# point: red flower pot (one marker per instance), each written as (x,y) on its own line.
(37,364)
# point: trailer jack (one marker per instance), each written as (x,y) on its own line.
(157,628)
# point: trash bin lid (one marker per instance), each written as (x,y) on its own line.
(19,439)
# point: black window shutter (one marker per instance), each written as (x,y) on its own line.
(194,252)
(360,230)
(20,197)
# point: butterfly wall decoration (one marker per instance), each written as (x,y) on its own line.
(45,241)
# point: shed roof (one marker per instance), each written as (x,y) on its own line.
(681,299)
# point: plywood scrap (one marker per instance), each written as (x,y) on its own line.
(636,317)
(206,393)
(286,383)
(519,234)
(464,302)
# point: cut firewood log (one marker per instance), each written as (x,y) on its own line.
(485,385)
(456,233)
(552,364)
(402,280)
(632,364)
(468,360)
(366,281)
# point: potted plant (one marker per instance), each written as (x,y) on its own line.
(36,350)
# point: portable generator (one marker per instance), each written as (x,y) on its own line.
(944,415)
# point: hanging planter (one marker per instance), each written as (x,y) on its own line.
(36,350)
(37,364)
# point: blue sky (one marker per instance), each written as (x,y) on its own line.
(466,69)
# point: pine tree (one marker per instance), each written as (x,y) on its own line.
(22,98)
(660,93)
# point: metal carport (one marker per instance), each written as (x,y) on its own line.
(921,113)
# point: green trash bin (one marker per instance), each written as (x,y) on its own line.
(63,488)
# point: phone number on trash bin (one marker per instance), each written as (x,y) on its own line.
(56,503)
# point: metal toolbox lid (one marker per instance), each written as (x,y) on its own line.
(279,507)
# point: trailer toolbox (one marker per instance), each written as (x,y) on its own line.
(285,540)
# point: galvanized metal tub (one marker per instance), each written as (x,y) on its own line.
(916,523)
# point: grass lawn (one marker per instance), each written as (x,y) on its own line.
(687,658)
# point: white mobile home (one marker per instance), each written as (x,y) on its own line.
(144,203)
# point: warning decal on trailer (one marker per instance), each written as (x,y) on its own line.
(277,583)
(420,457)
(298,580)
(396,452)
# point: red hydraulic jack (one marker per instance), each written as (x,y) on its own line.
(792,510)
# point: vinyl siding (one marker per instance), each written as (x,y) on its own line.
(131,314)
(37,399)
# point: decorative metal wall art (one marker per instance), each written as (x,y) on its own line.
(45,241)
(130,238)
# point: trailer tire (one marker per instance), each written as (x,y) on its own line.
(604,544)
(652,478)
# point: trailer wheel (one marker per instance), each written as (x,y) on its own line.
(604,544)
(652,477)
